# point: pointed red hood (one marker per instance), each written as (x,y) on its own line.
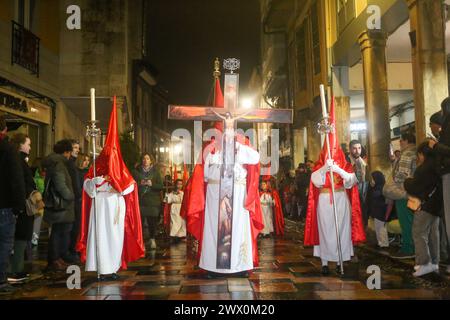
(110,161)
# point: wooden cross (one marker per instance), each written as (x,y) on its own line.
(230,114)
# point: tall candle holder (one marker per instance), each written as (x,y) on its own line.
(92,131)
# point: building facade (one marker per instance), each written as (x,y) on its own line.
(385,62)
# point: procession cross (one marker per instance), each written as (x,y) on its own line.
(230,114)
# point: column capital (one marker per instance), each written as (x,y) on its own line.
(372,38)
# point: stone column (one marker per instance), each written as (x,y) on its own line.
(299,146)
(342,113)
(120,101)
(428,59)
(373,49)
(313,140)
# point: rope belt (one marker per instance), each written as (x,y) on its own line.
(240,182)
(328,190)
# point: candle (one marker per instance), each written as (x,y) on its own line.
(92,104)
(324,104)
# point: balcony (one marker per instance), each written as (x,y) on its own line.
(25,48)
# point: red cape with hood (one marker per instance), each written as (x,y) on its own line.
(277,208)
(194,201)
(110,162)
(311,228)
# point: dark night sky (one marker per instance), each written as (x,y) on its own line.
(187,35)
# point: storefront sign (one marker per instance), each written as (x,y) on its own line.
(24,107)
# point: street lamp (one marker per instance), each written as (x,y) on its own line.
(247,103)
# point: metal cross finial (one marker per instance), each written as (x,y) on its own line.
(216,72)
(231,64)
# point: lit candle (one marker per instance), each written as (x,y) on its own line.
(324,103)
(92,104)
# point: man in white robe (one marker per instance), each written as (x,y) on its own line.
(105,243)
(241,240)
(327,250)
(177,223)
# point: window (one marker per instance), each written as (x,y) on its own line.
(315,38)
(25,13)
(301,58)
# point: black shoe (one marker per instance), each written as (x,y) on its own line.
(325,270)
(243,274)
(109,277)
(401,255)
(6,288)
(213,275)
(338,269)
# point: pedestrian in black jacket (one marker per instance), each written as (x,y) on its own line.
(12,195)
(57,178)
(24,224)
(72,256)
(442,150)
(426,186)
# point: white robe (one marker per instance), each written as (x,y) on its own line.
(110,220)
(177,223)
(327,248)
(241,246)
(267,210)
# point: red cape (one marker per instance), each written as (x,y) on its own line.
(167,217)
(311,227)
(193,206)
(110,162)
(278,214)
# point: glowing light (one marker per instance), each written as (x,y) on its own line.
(178,148)
(247,103)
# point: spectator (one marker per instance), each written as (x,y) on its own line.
(303,177)
(436,121)
(83,163)
(360,169)
(378,208)
(59,200)
(24,224)
(310,166)
(405,169)
(150,185)
(72,256)
(442,150)
(426,187)
(12,202)
(39,179)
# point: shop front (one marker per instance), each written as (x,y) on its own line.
(25,115)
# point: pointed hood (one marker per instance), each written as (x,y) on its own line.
(110,161)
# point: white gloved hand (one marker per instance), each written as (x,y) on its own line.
(330,163)
(98,180)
